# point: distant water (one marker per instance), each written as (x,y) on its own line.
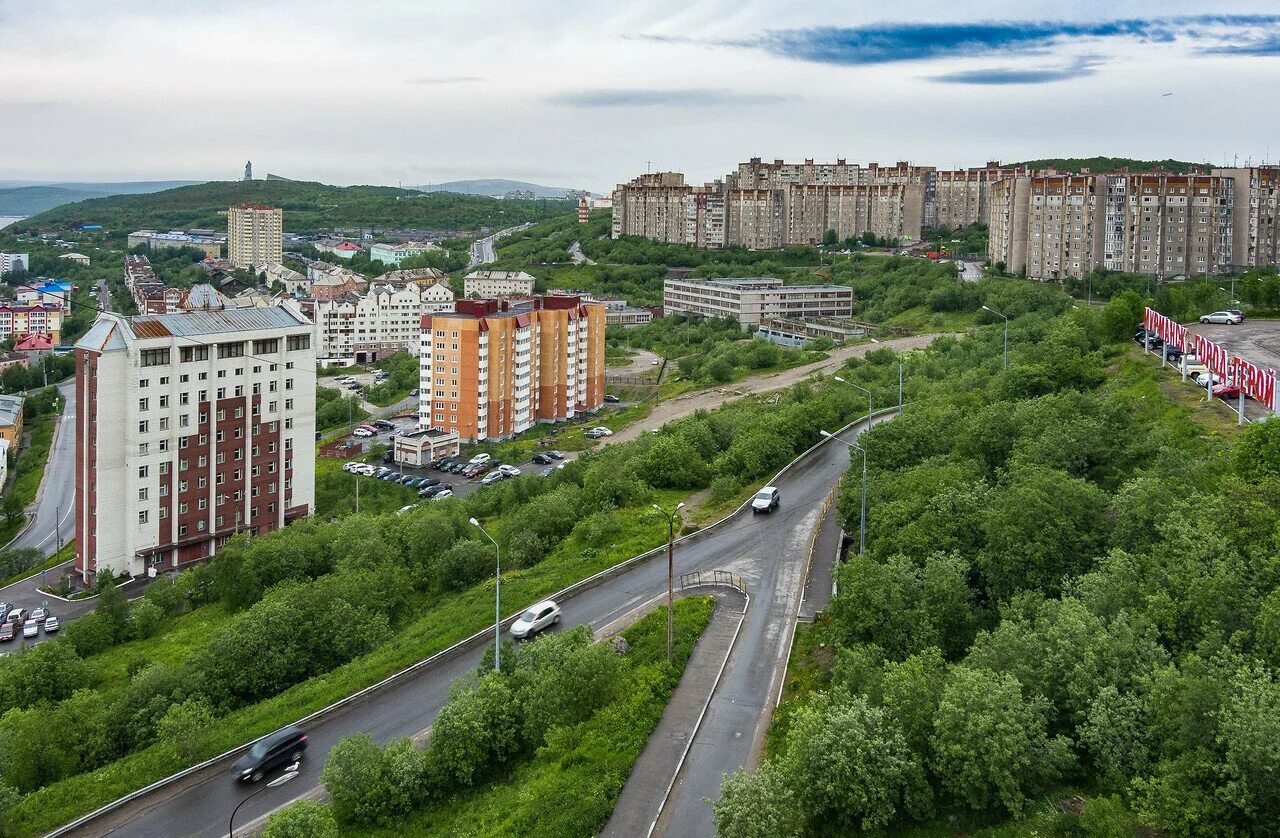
(6,220)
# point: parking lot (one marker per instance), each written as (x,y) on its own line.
(1257,341)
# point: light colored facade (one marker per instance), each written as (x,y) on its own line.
(255,235)
(17,321)
(394,254)
(370,326)
(210,245)
(14,262)
(417,448)
(653,206)
(1169,225)
(292,280)
(796,333)
(749,301)
(190,427)
(1255,239)
(78,258)
(491,370)
(488,284)
(627,317)
(4,461)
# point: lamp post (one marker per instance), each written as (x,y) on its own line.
(873,340)
(289,773)
(671,572)
(862,516)
(497,598)
(1006,333)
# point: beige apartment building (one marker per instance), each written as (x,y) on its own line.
(1168,225)
(751,300)
(1049,226)
(1255,239)
(483,284)
(653,206)
(255,235)
(492,369)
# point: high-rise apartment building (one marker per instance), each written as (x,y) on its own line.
(1255,239)
(492,368)
(1050,226)
(960,197)
(374,325)
(255,235)
(653,206)
(14,262)
(190,428)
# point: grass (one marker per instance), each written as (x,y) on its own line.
(178,638)
(571,787)
(567,436)
(922,319)
(674,386)
(29,470)
(446,620)
(66,553)
(1160,394)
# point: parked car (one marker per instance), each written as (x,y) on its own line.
(1204,379)
(509,471)
(611,399)
(542,459)
(429,481)
(603,431)
(442,495)
(655,362)
(382,424)
(366,470)
(30,628)
(1172,353)
(766,500)
(50,625)
(17,616)
(1227,391)
(493,477)
(40,614)
(391,475)
(279,748)
(480,459)
(351,466)
(548,471)
(413,392)
(555,455)
(1150,338)
(540,616)
(1229,318)
(6,632)
(362,432)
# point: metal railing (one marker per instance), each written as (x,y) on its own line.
(712,577)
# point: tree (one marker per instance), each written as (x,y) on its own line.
(303,819)
(1122,314)
(830,238)
(370,785)
(673,463)
(757,805)
(465,563)
(112,607)
(477,730)
(13,508)
(184,726)
(990,746)
(144,620)
(1250,735)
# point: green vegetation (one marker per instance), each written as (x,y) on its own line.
(582,710)
(971,240)
(23,562)
(403,375)
(334,410)
(308,207)
(1112,164)
(1069,588)
(905,291)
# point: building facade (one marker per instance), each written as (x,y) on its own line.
(488,284)
(370,326)
(11,421)
(1255,238)
(210,245)
(492,369)
(17,321)
(255,235)
(749,301)
(190,428)
(14,262)
(394,254)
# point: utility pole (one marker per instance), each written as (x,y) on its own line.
(671,567)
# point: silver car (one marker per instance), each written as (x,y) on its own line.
(540,616)
(1229,318)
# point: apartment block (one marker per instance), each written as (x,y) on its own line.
(255,235)
(17,321)
(1255,239)
(487,284)
(14,262)
(1169,225)
(190,428)
(210,245)
(370,326)
(394,254)
(491,369)
(960,197)
(751,300)
(653,206)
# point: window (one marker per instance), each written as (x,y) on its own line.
(288,384)
(144,404)
(239,371)
(142,517)
(222,373)
(182,485)
(297,342)
(271,386)
(164,423)
(194,353)
(142,472)
(154,357)
(239,391)
(164,469)
(257,388)
(288,423)
(164,490)
(288,404)
(202,504)
(142,493)
(182,530)
(184,420)
(164,400)
(184,378)
(256,471)
(231,350)
(204,438)
(144,426)
(164,513)
(203,396)
(182,509)
(272,407)
(222,436)
(164,379)
(266,347)
(239,410)
(222,394)
(271,448)
(238,433)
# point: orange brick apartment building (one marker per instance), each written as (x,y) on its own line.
(493,368)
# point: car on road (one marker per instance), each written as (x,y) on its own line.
(30,628)
(603,431)
(611,399)
(40,614)
(413,393)
(766,500)
(6,632)
(655,362)
(1229,318)
(51,625)
(362,432)
(540,616)
(271,751)
(542,459)
(493,477)
(442,495)
(509,471)
(555,455)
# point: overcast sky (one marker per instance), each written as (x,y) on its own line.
(585,94)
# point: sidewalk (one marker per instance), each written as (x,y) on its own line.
(826,552)
(646,789)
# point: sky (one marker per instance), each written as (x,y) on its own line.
(587,94)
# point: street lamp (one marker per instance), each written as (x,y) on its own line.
(863,389)
(289,773)
(497,599)
(671,569)
(862,518)
(1006,333)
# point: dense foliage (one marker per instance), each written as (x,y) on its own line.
(334,410)
(308,207)
(1111,164)
(1067,583)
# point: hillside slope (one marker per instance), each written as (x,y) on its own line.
(31,198)
(495,187)
(1111,164)
(307,207)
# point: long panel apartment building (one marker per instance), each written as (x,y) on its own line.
(493,368)
(190,427)
(751,300)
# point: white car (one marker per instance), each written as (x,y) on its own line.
(601,431)
(447,493)
(351,466)
(1204,379)
(1229,318)
(509,471)
(480,459)
(545,613)
(30,628)
(365,469)
(51,625)
(362,432)
(655,362)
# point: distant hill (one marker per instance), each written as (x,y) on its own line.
(495,187)
(308,207)
(1111,164)
(31,198)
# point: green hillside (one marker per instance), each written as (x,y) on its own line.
(28,200)
(308,207)
(1111,164)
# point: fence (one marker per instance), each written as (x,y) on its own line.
(712,577)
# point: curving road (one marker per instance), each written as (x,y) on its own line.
(55,513)
(485,250)
(766,550)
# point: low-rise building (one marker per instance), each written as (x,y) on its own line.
(11,420)
(488,284)
(417,448)
(370,326)
(34,346)
(206,241)
(627,316)
(749,300)
(47,292)
(293,281)
(788,332)
(78,258)
(10,262)
(13,359)
(394,254)
(17,321)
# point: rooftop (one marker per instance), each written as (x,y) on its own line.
(10,409)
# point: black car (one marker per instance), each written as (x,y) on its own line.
(383,424)
(1150,338)
(612,399)
(542,459)
(279,748)
(1172,353)
(555,455)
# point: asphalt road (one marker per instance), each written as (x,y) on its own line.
(55,514)
(484,250)
(765,549)
(970,271)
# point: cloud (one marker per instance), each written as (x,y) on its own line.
(885,43)
(448,80)
(1258,48)
(655,97)
(1084,66)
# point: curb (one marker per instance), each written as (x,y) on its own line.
(481,637)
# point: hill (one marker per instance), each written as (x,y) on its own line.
(308,207)
(495,187)
(19,198)
(1111,164)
